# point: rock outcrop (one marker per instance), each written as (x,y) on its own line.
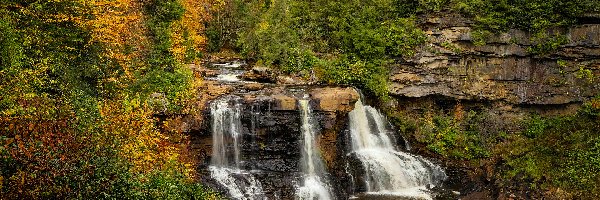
(503,69)
(501,82)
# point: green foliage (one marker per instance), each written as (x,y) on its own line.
(450,138)
(344,42)
(271,40)
(166,11)
(343,70)
(372,30)
(227,23)
(165,75)
(169,185)
(582,168)
(558,152)
(11,52)
(585,74)
(548,153)
(432,5)
(190,53)
(299,60)
(480,36)
(173,85)
(535,127)
(452,47)
(531,15)
(535,16)
(163,13)
(544,44)
(213,35)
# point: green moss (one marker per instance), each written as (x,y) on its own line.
(452,47)
(544,44)
(585,74)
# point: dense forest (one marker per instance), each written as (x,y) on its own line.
(76,108)
(83,83)
(352,42)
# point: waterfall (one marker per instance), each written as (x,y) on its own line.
(225,161)
(387,170)
(314,186)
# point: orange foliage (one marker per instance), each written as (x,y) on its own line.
(45,150)
(595,103)
(459,112)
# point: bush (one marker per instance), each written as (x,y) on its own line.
(344,70)
(455,137)
(560,152)
(348,42)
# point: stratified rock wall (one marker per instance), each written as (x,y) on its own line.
(503,69)
(501,83)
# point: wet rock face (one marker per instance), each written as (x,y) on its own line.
(272,137)
(452,66)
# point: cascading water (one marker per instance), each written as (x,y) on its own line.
(228,72)
(314,186)
(388,171)
(225,162)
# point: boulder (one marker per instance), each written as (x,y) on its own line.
(334,99)
(253,86)
(260,74)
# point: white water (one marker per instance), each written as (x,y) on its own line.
(228,72)
(225,162)
(234,64)
(388,171)
(240,184)
(314,185)
(227,75)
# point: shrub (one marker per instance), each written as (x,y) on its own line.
(560,152)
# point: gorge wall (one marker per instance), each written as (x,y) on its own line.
(501,81)
(451,65)
(488,91)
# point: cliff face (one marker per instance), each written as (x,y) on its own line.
(450,77)
(487,92)
(271,134)
(451,65)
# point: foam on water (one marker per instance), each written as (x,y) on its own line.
(388,171)
(315,184)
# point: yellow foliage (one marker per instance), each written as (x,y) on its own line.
(119,24)
(192,22)
(131,122)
